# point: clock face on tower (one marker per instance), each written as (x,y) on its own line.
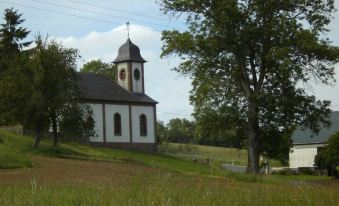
(136,74)
(122,74)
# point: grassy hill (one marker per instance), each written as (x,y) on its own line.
(19,149)
(74,174)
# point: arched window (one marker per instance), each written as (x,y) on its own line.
(117,124)
(143,125)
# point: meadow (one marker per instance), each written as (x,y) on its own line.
(215,155)
(75,174)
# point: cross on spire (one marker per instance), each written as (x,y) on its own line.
(127,27)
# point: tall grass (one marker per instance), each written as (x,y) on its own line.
(166,189)
(177,182)
(10,155)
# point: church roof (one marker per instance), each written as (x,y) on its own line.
(306,136)
(98,87)
(129,52)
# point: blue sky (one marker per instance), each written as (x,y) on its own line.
(97,29)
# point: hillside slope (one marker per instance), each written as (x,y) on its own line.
(19,149)
(74,174)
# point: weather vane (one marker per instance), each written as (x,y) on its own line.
(127,27)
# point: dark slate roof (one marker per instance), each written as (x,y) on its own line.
(101,88)
(129,52)
(307,137)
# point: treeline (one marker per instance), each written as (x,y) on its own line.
(38,84)
(201,132)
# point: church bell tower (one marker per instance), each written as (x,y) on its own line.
(130,68)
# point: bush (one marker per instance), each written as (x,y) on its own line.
(286,171)
(1,140)
(336,169)
(306,171)
(329,155)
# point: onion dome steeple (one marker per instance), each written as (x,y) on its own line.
(130,68)
(129,52)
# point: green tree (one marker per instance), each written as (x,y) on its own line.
(38,87)
(76,122)
(54,83)
(162,132)
(180,130)
(251,59)
(12,42)
(11,34)
(329,155)
(100,67)
(215,128)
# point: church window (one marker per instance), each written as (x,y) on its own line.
(143,125)
(117,124)
(136,74)
(122,74)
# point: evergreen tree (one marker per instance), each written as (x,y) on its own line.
(12,36)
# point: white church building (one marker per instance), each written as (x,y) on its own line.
(125,117)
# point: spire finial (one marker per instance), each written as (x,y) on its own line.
(127,27)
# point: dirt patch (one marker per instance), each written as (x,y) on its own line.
(325,183)
(54,170)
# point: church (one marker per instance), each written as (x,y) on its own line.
(124,116)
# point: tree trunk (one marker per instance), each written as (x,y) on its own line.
(55,131)
(37,137)
(253,139)
(24,130)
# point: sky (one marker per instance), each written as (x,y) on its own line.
(97,29)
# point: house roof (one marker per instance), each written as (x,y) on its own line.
(306,136)
(98,87)
(129,52)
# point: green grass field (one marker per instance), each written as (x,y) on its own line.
(75,174)
(216,155)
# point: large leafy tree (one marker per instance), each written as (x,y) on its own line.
(252,59)
(180,130)
(38,86)
(52,77)
(215,128)
(100,67)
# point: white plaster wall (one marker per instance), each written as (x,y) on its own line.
(124,112)
(98,128)
(137,84)
(303,155)
(124,83)
(136,112)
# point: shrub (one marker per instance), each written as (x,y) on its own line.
(336,172)
(329,155)
(306,171)
(286,171)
